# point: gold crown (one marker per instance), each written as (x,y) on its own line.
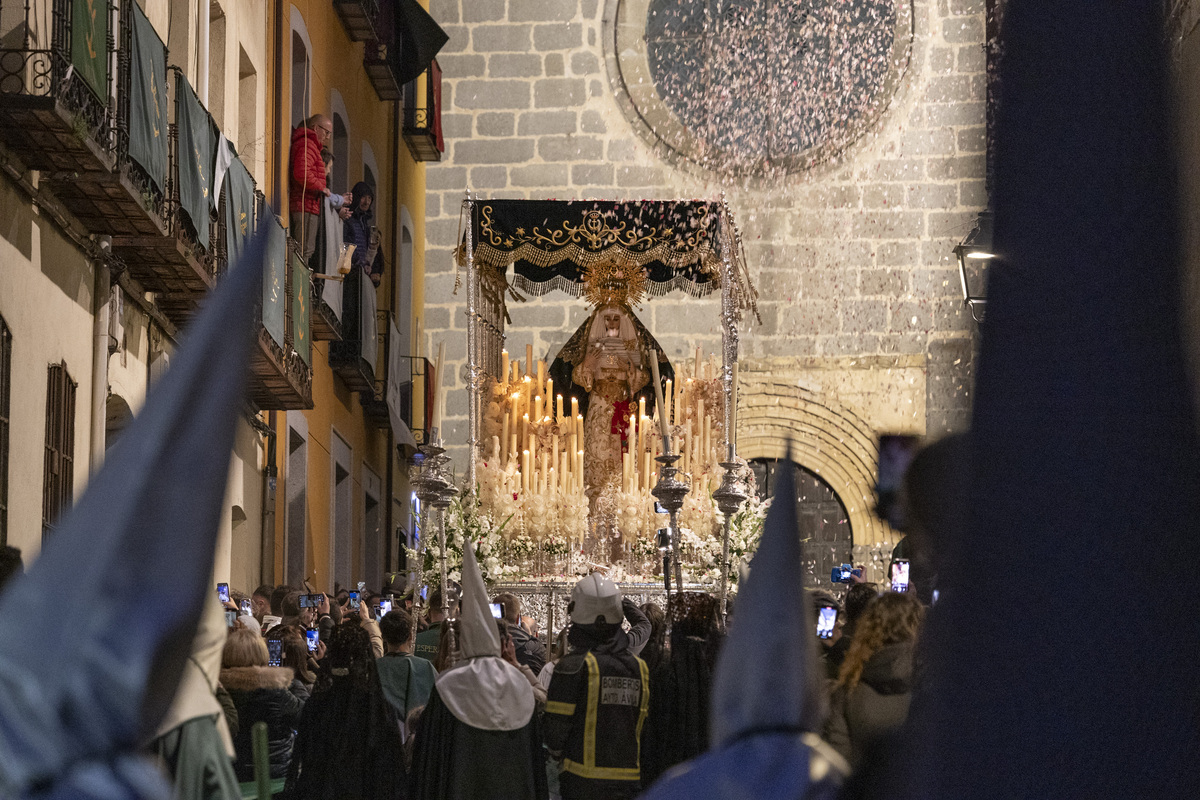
(609,283)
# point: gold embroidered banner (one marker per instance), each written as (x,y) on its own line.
(554,244)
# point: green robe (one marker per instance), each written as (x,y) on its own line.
(427,642)
(407,681)
(196,759)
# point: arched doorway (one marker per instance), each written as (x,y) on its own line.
(826,537)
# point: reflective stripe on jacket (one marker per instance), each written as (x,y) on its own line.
(597,705)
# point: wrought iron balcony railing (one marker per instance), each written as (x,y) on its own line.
(359,17)
(423,115)
(55,85)
(281,372)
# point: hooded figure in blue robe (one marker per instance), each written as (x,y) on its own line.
(768,694)
(80,697)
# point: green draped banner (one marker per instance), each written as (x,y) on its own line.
(301,303)
(239,208)
(89,44)
(148,99)
(197,148)
(274,302)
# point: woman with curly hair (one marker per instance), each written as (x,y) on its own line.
(874,687)
(348,742)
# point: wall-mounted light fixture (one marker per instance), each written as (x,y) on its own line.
(974,252)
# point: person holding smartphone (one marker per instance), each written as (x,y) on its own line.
(874,685)
(260,693)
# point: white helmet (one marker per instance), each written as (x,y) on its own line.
(596,599)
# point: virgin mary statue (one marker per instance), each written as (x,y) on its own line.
(606,366)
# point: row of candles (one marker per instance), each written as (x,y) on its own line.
(546,443)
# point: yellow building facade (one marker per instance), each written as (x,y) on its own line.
(103,263)
(343,501)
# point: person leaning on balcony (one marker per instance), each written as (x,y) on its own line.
(360,231)
(306,180)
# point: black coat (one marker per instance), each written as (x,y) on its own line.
(530,651)
(862,718)
(263,694)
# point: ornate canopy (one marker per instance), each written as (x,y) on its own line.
(568,245)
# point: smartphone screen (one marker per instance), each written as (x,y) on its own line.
(223,592)
(354,601)
(826,622)
(362,587)
(900,576)
(313,637)
(274,652)
(498,610)
(895,454)
(230,618)
(385,606)
(246,608)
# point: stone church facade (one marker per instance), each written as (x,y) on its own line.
(862,326)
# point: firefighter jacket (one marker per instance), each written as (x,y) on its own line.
(597,704)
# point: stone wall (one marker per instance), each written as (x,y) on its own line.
(853,260)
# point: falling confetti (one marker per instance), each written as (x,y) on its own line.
(767,85)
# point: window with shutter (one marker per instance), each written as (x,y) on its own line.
(59,476)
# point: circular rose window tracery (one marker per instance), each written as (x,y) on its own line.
(757,86)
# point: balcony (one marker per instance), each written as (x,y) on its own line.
(55,81)
(326,293)
(281,363)
(416,396)
(132,203)
(182,266)
(423,115)
(381,72)
(375,402)
(355,358)
(359,18)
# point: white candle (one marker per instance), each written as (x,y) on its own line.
(658,396)
(528,359)
(668,397)
(504,368)
(437,389)
(558,417)
(504,433)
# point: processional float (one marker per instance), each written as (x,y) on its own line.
(614,253)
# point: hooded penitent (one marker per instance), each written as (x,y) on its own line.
(1044,678)
(767,693)
(77,698)
(478,735)
(483,690)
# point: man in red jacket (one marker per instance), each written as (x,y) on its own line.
(306,180)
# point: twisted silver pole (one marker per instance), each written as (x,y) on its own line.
(731,494)
(472,348)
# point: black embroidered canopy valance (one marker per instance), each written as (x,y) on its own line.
(562,244)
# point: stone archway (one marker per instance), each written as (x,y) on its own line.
(827,438)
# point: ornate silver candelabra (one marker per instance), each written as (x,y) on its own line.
(729,496)
(669,492)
